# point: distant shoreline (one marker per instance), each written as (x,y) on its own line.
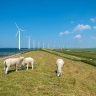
(8,56)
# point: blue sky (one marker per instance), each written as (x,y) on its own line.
(59,23)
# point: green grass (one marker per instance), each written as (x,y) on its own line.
(78,78)
(86,56)
(78,52)
(81,49)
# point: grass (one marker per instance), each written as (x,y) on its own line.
(88,57)
(83,54)
(91,50)
(78,78)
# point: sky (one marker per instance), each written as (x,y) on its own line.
(51,23)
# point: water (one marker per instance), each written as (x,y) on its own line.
(10,51)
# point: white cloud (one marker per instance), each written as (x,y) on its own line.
(72,22)
(81,27)
(94,27)
(66,32)
(93,19)
(93,37)
(78,36)
(62,33)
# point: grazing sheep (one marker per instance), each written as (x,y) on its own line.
(59,64)
(26,62)
(12,62)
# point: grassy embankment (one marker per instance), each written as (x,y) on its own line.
(78,78)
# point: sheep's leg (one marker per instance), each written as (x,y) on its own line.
(32,66)
(6,70)
(16,67)
(27,66)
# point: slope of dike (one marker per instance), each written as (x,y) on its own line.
(78,78)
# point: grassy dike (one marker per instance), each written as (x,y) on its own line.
(78,78)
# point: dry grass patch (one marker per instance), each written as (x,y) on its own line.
(78,79)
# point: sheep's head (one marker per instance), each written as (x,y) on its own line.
(23,64)
(21,58)
(21,67)
(58,73)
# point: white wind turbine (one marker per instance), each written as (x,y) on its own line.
(28,41)
(38,44)
(43,45)
(18,32)
(33,43)
(48,45)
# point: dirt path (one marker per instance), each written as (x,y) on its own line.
(6,57)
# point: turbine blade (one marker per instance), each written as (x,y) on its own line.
(16,26)
(16,33)
(22,30)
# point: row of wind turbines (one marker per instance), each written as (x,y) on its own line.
(18,32)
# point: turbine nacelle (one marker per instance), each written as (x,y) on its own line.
(28,36)
(18,29)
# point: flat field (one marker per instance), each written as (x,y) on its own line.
(88,53)
(78,78)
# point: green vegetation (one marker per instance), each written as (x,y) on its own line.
(83,53)
(78,78)
(92,50)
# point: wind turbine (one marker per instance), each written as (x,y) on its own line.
(33,43)
(61,47)
(43,45)
(38,44)
(28,41)
(48,45)
(18,32)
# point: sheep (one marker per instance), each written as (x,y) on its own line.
(12,62)
(26,62)
(59,64)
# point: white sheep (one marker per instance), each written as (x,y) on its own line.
(59,64)
(26,62)
(12,62)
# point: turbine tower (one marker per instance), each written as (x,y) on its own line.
(33,43)
(38,44)
(18,32)
(48,45)
(28,41)
(43,45)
